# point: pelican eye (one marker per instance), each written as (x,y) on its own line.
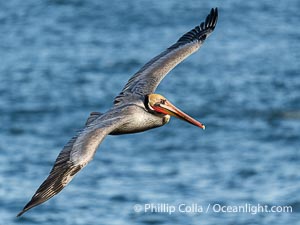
(163,101)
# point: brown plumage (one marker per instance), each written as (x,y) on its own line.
(135,109)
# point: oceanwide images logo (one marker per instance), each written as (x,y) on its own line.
(210,208)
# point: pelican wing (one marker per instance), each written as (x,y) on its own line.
(146,80)
(77,153)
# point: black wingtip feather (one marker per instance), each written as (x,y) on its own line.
(56,180)
(200,32)
(26,208)
(51,186)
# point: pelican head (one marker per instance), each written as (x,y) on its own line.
(159,104)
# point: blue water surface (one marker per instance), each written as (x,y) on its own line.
(61,60)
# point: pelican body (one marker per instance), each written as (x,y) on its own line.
(136,109)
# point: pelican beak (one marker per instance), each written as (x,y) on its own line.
(170,109)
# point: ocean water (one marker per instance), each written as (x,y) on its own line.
(62,59)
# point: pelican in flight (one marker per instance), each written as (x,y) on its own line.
(137,108)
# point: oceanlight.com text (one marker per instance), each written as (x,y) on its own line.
(210,208)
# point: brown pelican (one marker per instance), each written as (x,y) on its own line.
(135,109)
